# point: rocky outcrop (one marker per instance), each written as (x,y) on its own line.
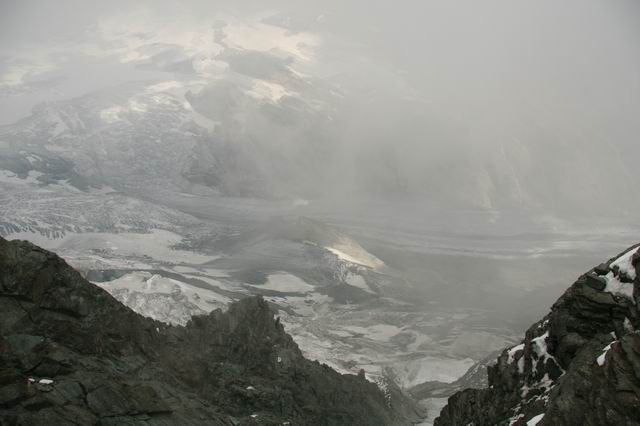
(71,354)
(579,365)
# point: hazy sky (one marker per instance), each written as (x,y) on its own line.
(500,102)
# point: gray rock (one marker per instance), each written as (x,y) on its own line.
(595,281)
(580,365)
(113,366)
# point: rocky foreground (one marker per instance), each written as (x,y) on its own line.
(71,354)
(579,365)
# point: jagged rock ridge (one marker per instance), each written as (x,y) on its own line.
(579,365)
(71,354)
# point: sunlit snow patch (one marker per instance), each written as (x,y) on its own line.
(352,252)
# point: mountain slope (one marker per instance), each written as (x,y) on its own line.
(579,365)
(71,354)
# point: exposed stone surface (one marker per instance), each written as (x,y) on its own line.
(71,354)
(579,365)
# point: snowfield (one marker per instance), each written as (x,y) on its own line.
(162,298)
(285,283)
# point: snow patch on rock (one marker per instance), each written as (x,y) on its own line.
(512,352)
(535,420)
(603,356)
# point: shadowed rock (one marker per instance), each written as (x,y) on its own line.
(72,354)
(579,365)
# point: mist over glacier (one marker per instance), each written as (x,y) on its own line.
(409,186)
(494,105)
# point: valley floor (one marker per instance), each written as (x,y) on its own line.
(401,302)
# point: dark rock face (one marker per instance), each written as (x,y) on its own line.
(51,167)
(579,365)
(71,354)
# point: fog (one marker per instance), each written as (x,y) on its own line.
(410,185)
(491,105)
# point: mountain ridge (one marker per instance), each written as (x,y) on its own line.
(72,354)
(580,364)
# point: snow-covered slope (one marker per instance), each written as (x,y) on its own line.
(128,137)
(164,299)
(54,211)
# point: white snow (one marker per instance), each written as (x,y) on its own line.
(264,37)
(115,113)
(33,158)
(624,264)
(433,406)
(300,202)
(312,345)
(305,305)
(614,285)
(545,384)
(285,283)
(378,332)
(145,282)
(357,280)
(540,347)
(429,368)
(164,86)
(535,420)
(162,298)
(512,352)
(513,420)
(112,114)
(628,327)
(263,89)
(59,126)
(155,244)
(7,176)
(603,356)
(251,388)
(356,255)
